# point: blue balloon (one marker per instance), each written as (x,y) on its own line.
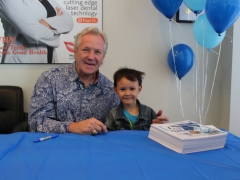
(195,5)
(222,13)
(204,33)
(196,11)
(181,59)
(167,7)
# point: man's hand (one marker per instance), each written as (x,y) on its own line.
(89,126)
(59,11)
(43,22)
(160,119)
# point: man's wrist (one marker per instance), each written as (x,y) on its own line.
(71,127)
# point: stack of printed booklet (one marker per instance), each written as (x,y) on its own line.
(188,136)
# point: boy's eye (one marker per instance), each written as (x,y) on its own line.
(132,89)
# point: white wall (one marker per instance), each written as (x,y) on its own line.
(139,37)
(234,126)
(225,83)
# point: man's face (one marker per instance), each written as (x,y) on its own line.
(89,55)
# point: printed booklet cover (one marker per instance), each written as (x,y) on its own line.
(188,136)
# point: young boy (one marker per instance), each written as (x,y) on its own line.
(130,113)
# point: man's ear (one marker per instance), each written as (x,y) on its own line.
(139,89)
(75,54)
(103,59)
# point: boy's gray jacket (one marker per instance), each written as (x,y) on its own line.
(116,120)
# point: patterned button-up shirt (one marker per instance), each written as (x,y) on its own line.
(60,97)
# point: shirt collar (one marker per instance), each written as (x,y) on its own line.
(120,109)
(73,75)
(96,77)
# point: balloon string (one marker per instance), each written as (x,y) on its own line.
(229,37)
(214,52)
(176,22)
(203,78)
(180,97)
(176,75)
(197,84)
(204,85)
(174,60)
(194,84)
(201,85)
(213,82)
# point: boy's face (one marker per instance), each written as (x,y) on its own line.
(128,91)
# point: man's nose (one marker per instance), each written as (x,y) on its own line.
(91,55)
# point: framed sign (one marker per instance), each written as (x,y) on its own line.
(185,15)
(42,32)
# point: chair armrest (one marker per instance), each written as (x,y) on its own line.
(22,126)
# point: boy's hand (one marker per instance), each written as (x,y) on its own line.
(160,119)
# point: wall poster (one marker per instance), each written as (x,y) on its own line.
(40,31)
(186,15)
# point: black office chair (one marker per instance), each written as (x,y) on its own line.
(12,116)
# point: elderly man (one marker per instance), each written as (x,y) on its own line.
(77,97)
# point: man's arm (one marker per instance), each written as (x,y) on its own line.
(43,107)
(43,22)
(62,23)
(88,126)
(24,21)
(92,125)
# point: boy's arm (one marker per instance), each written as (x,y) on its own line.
(110,122)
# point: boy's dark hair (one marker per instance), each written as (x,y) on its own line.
(130,74)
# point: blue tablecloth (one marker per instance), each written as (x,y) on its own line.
(118,155)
